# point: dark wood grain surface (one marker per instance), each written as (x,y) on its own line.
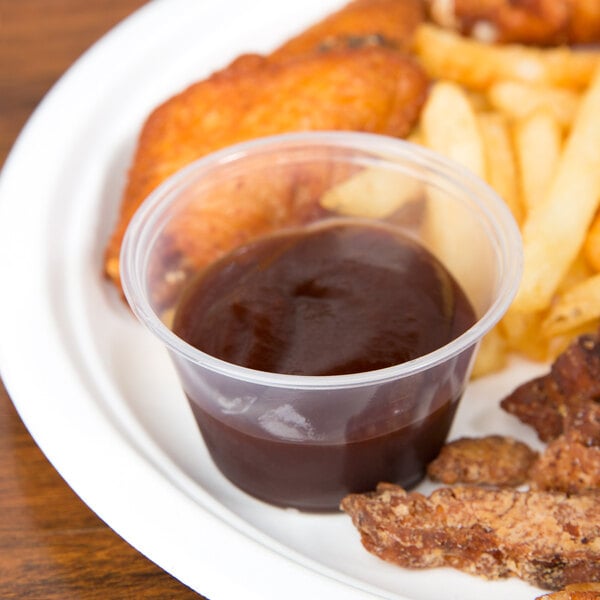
(51,545)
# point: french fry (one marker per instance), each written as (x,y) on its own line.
(458,137)
(558,343)
(518,100)
(372,193)
(527,120)
(591,248)
(476,65)
(554,232)
(446,227)
(416,136)
(521,332)
(501,168)
(492,354)
(576,307)
(479,100)
(538,142)
(578,272)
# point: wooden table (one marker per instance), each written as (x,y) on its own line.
(51,545)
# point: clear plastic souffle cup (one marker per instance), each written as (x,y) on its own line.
(305,441)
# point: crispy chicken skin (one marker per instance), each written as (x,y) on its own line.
(568,465)
(372,87)
(491,460)
(547,539)
(564,410)
(565,398)
(571,462)
(540,22)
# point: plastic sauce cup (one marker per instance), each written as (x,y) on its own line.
(306,441)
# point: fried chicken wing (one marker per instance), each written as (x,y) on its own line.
(540,22)
(548,539)
(491,460)
(338,86)
(558,401)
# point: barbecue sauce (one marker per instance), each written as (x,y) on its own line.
(332,299)
(315,476)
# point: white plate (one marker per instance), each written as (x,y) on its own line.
(99,395)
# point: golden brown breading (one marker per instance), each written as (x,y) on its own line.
(387,22)
(491,460)
(583,422)
(551,403)
(563,408)
(371,88)
(541,22)
(548,539)
(576,591)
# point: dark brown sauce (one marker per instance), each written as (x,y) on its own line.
(315,477)
(328,300)
(337,299)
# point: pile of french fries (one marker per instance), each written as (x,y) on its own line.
(527,120)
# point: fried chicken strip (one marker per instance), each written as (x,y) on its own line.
(547,539)
(540,22)
(491,460)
